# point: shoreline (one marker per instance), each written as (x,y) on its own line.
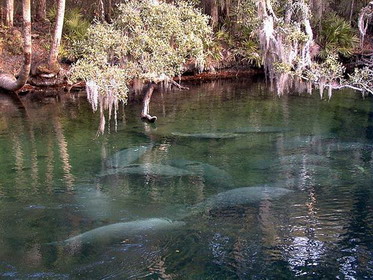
(63,84)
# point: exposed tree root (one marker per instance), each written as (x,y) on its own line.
(177,84)
(145,111)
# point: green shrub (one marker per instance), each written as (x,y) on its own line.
(250,51)
(337,37)
(75,26)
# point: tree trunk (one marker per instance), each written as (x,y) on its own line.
(214,12)
(52,61)
(318,8)
(41,11)
(211,8)
(9,13)
(8,81)
(365,16)
(352,10)
(108,11)
(145,111)
(101,10)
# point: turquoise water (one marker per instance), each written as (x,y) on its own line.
(232,182)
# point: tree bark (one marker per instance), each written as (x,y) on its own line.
(52,61)
(318,8)
(214,13)
(211,7)
(9,13)
(145,111)
(100,10)
(365,17)
(108,11)
(352,10)
(8,81)
(41,11)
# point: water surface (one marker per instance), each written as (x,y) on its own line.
(302,167)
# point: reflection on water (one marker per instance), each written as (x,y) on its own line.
(260,187)
(62,145)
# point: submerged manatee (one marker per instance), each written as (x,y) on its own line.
(208,135)
(262,129)
(125,157)
(120,231)
(210,173)
(148,169)
(239,196)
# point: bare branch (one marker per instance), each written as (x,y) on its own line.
(178,85)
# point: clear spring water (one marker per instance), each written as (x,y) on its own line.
(304,166)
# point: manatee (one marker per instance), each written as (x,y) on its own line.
(210,173)
(148,169)
(239,196)
(126,157)
(262,129)
(120,231)
(212,135)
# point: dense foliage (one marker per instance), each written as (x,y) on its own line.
(149,41)
(115,42)
(301,39)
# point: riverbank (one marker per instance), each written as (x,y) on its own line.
(11,59)
(228,66)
